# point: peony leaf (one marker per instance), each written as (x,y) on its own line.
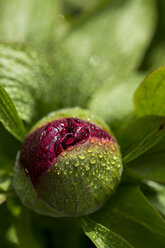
(101,236)
(151,165)
(9,116)
(105,44)
(114,101)
(131,215)
(27,77)
(34,21)
(150,95)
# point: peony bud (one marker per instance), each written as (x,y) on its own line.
(69,164)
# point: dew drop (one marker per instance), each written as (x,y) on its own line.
(93,161)
(63,154)
(94,60)
(82,173)
(87,167)
(76,164)
(112,148)
(106,148)
(92,140)
(81,156)
(103,141)
(96,146)
(95,187)
(99,143)
(90,149)
(114,157)
(103,164)
(70,148)
(119,165)
(100,155)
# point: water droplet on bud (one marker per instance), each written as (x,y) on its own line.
(81,156)
(90,149)
(100,155)
(93,161)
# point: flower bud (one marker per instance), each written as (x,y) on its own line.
(69,164)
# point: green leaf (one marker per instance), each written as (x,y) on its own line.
(150,95)
(77,11)
(113,102)
(28,78)
(131,215)
(5,182)
(148,142)
(142,146)
(11,236)
(103,45)
(155,56)
(5,223)
(6,165)
(2,198)
(72,5)
(130,176)
(151,165)
(36,22)
(7,153)
(24,230)
(8,147)
(9,116)
(101,236)
(61,232)
(156,195)
(135,130)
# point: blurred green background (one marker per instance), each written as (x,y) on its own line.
(93,46)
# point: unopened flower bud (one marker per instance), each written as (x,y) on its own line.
(69,164)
